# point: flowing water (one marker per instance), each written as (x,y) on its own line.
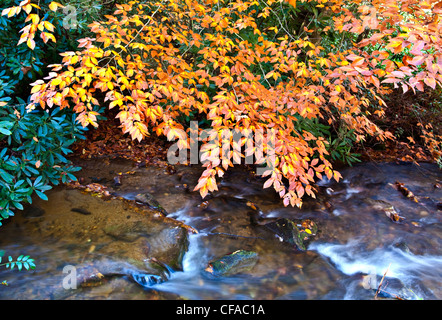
(356,246)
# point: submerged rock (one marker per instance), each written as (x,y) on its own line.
(147,199)
(99,271)
(386,207)
(127,232)
(33,211)
(166,244)
(401,245)
(233,263)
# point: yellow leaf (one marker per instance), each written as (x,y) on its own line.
(12,11)
(49,26)
(56,82)
(31,44)
(50,36)
(6,11)
(35,88)
(54,6)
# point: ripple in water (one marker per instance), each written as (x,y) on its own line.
(409,273)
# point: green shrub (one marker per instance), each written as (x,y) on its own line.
(33,146)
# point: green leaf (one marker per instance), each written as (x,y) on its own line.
(61,158)
(6,176)
(17,205)
(41,195)
(4,214)
(4,131)
(37,181)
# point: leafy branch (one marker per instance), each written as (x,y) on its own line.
(21,262)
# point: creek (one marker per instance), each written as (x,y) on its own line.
(357,242)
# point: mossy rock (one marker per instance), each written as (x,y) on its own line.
(149,200)
(294,233)
(236,262)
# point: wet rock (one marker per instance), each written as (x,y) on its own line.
(169,246)
(147,199)
(89,276)
(100,271)
(379,204)
(401,245)
(33,212)
(138,241)
(297,234)
(156,273)
(147,280)
(128,232)
(117,181)
(233,263)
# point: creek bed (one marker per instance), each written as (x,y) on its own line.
(355,244)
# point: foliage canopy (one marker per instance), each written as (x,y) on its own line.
(301,68)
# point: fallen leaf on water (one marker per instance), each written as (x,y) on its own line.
(203,204)
(407,193)
(394,216)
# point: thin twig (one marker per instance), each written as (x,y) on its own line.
(380,284)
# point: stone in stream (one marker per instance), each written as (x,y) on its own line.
(293,233)
(127,232)
(233,263)
(147,199)
(33,212)
(168,244)
(99,271)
